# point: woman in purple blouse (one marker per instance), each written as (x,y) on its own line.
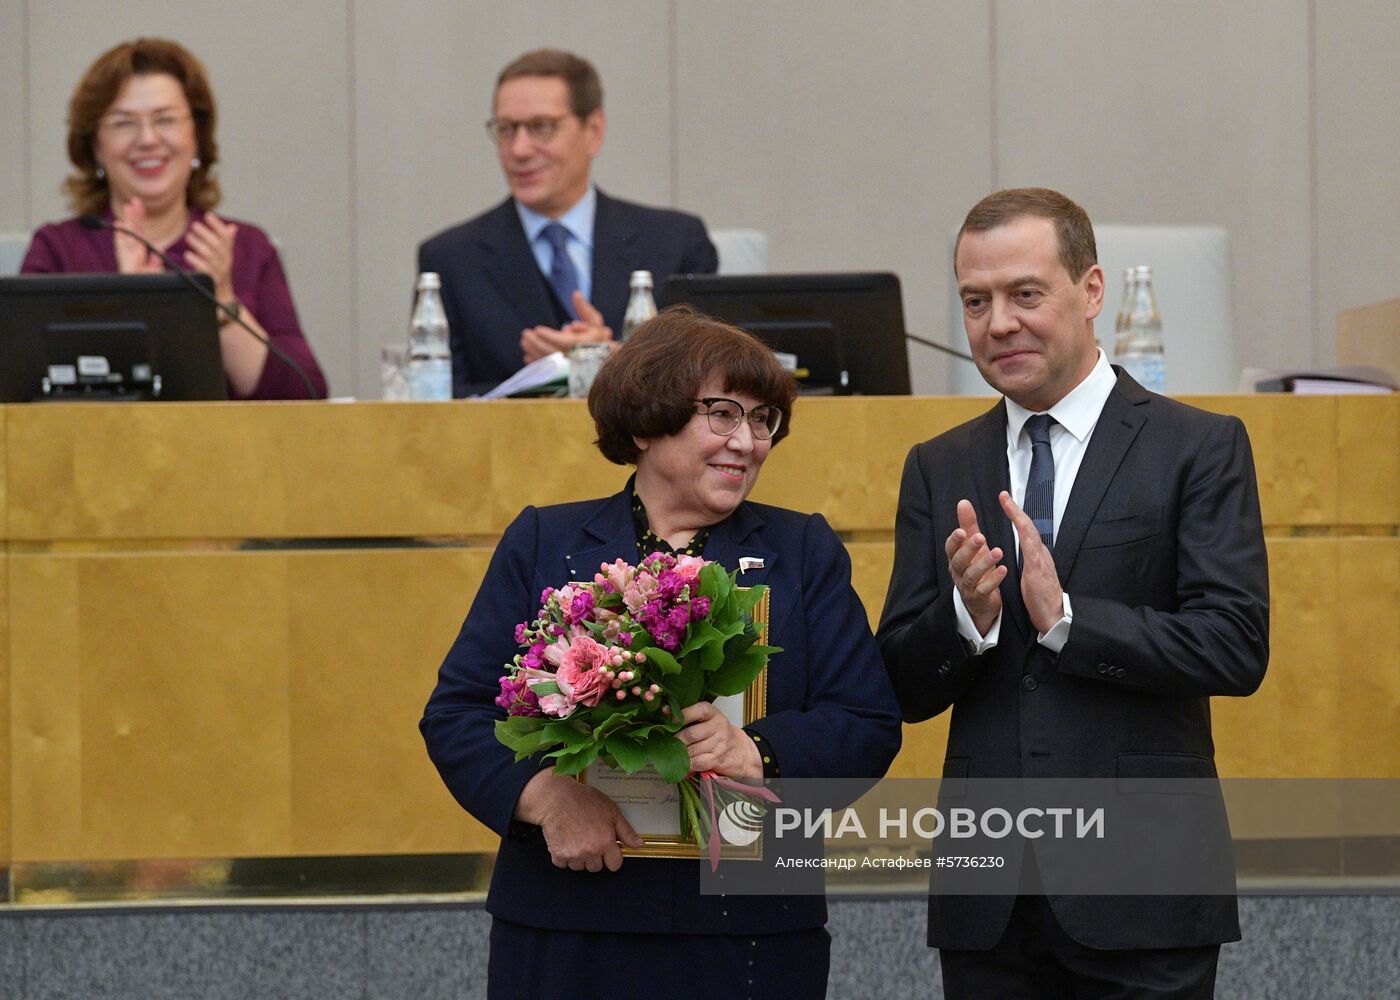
(141,135)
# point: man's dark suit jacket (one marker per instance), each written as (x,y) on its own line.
(831,710)
(1161,550)
(492,287)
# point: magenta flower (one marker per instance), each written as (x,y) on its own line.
(580,608)
(669,585)
(517,698)
(699,608)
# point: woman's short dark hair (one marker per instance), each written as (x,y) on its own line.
(647,389)
(87,192)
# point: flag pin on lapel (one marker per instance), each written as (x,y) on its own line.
(747,563)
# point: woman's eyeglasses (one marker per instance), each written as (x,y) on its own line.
(725,415)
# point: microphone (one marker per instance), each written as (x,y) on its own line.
(938,347)
(90,220)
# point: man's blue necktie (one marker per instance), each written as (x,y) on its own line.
(561,271)
(1040,487)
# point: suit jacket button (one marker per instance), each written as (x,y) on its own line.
(1029,683)
(1117,671)
(1103,668)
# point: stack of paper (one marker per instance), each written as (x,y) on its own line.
(550,370)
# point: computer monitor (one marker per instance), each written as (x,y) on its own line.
(841,333)
(108,337)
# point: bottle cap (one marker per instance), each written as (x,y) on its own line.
(1144,270)
(641,277)
(428,281)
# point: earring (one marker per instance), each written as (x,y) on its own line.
(101,174)
(195,163)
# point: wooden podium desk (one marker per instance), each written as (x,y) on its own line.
(221,620)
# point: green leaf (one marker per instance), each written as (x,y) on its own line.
(738,672)
(629,752)
(687,685)
(745,601)
(545,687)
(663,660)
(617,720)
(567,732)
(522,739)
(710,582)
(701,632)
(576,763)
(668,755)
(521,724)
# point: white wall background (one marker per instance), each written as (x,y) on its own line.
(857,135)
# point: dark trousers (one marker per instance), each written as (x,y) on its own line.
(1035,958)
(528,963)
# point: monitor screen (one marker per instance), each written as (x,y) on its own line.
(839,333)
(108,337)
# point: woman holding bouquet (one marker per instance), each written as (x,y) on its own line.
(695,405)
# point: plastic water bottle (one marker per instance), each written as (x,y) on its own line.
(429,356)
(1139,345)
(641,306)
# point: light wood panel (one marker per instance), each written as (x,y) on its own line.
(171,695)
(1368,475)
(198,471)
(232,704)
(1328,705)
(5,768)
(368,631)
(1296,457)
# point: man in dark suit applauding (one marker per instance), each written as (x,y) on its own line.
(1076,573)
(549,267)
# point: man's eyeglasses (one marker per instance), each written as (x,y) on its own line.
(540,130)
(165,124)
(725,416)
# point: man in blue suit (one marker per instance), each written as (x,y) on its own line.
(549,267)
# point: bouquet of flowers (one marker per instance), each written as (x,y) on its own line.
(610,665)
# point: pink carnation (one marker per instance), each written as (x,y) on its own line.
(688,568)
